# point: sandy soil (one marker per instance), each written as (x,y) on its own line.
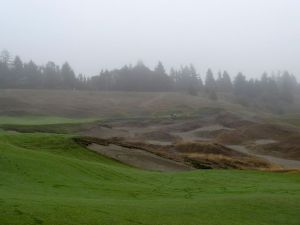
(285,163)
(265,142)
(190,131)
(106,132)
(193,135)
(139,158)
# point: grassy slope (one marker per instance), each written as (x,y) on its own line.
(106,104)
(48,179)
(40,120)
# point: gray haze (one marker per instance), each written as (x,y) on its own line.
(251,36)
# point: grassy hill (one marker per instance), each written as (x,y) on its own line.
(49,179)
(94,104)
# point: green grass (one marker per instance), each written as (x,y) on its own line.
(49,179)
(41,120)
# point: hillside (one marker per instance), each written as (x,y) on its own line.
(105,104)
(48,179)
(80,157)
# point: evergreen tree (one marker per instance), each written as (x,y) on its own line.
(68,76)
(210,83)
(240,88)
(17,78)
(52,76)
(32,75)
(226,82)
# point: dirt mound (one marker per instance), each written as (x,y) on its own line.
(210,134)
(104,131)
(158,136)
(255,132)
(211,155)
(206,148)
(213,161)
(139,158)
(197,155)
(288,148)
(231,120)
(184,126)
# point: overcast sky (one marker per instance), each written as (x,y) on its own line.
(250,36)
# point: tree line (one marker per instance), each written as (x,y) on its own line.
(271,90)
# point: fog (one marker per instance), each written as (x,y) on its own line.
(251,36)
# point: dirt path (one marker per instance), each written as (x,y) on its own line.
(285,163)
(139,158)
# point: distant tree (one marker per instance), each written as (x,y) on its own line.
(81,82)
(276,92)
(17,78)
(5,57)
(160,69)
(141,77)
(32,75)
(4,69)
(124,79)
(161,81)
(219,81)
(68,76)
(288,86)
(174,79)
(226,82)
(210,83)
(240,88)
(52,76)
(195,78)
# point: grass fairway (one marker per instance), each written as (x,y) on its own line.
(48,179)
(40,120)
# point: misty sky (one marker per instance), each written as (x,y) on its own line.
(251,36)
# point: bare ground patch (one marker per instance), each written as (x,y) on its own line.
(287,148)
(139,158)
(195,155)
(284,163)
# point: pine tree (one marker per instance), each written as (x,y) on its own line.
(68,76)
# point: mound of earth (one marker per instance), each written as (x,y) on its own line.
(210,134)
(206,155)
(158,136)
(288,164)
(104,131)
(255,132)
(198,155)
(213,161)
(206,148)
(288,148)
(139,158)
(231,120)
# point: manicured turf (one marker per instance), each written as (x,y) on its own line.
(48,179)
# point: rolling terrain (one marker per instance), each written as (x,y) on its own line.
(144,158)
(49,179)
